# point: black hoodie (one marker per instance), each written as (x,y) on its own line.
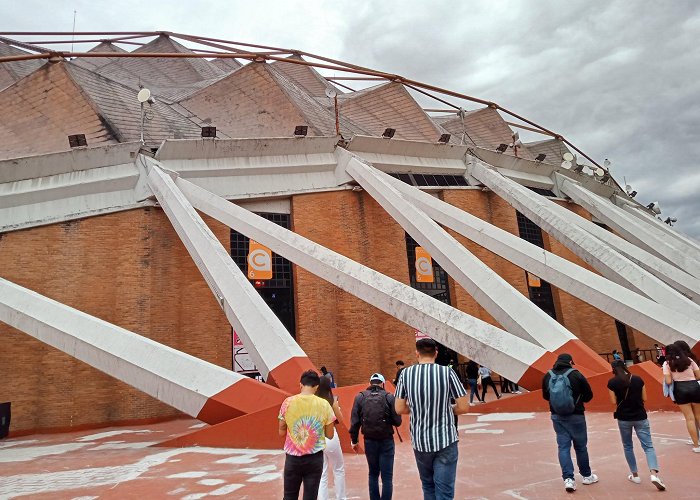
(580,388)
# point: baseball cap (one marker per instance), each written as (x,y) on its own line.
(376,376)
(566,358)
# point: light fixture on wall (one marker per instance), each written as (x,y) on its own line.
(389,133)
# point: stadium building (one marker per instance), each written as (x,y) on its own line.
(192,210)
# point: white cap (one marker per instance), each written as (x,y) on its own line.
(377,376)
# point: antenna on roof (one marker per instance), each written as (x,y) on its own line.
(75,12)
(333,95)
(143,96)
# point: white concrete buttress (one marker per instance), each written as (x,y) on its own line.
(680,280)
(655,320)
(487,344)
(508,306)
(268,342)
(592,250)
(173,377)
(632,229)
(665,228)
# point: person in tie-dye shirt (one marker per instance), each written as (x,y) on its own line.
(306,420)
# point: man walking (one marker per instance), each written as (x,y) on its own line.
(306,420)
(374,412)
(424,391)
(567,390)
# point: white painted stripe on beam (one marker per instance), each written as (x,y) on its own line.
(657,321)
(595,252)
(173,377)
(515,312)
(630,228)
(267,340)
(487,344)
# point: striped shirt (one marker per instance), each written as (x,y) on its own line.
(428,388)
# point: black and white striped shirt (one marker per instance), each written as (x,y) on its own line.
(428,388)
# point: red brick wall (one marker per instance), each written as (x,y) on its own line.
(128,268)
(350,337)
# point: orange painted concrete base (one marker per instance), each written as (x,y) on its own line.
(286,376)
(254,430)
(533,402)
(243,397)
(585,359)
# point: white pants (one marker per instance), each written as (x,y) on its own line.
(333,457)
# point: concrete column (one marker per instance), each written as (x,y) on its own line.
(662,227)
(508,306)
(274,351)
(655,320)
(198,388)
(510,356)
(592,250)
(680,280)
(632,229)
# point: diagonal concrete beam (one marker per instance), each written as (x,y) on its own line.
(655,320)
(665,228)
(595,252)
(508,306)
(680,280)
(276,354)
(510,356)
(198,388)
(632,229)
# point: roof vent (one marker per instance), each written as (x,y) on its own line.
(209,132)
(77,140)
(389,133)
(444,138)
(301,130)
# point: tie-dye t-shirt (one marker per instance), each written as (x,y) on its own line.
(305,416)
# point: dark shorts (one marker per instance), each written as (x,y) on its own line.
(686,391)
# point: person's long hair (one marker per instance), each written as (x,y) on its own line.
(324,390)
(677,359)
(683,346)
(621,372)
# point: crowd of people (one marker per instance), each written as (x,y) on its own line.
(433,396)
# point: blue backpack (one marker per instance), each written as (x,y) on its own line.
(561,396)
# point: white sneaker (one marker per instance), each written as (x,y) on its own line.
(697,450)
(656,481)
(590,479)
(569,485)
(635,479)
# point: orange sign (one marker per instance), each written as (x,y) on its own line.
(424,266)
(259,262)
(533,281)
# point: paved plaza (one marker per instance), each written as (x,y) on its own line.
(502,456)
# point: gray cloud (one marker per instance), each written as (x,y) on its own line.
(620,79)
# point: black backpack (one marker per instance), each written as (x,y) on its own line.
(376,415)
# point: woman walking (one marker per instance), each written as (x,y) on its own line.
(332,454)
(627,391)
(472,376)
(485,382)
(684,373)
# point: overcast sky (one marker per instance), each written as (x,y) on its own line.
(620,79)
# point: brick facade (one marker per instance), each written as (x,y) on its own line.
(131,269)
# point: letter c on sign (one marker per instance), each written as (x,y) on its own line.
(259,260)
(423,265)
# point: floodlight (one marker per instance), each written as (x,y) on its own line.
(540,157)
(444,138)
(632,194)
(502,147)
(670,220)
(389,133)
(301,130)
(654,207)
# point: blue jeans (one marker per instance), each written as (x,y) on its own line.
(380,460)
(641,427)
(572,429)
(437,471)
(473,389)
